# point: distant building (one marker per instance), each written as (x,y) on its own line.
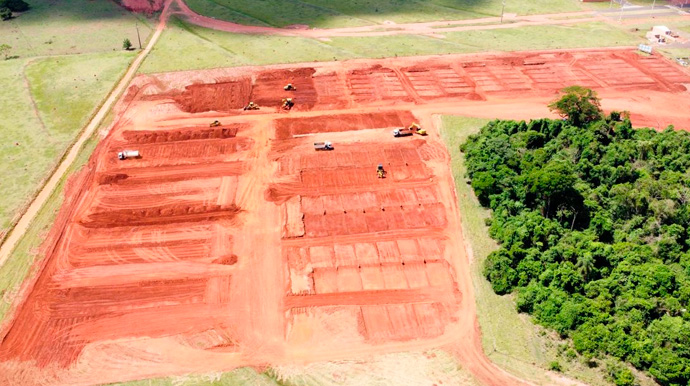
(680,3)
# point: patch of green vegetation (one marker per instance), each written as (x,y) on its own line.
(45,105)
(20,140)
(67,88)
(205,48)
(581,35)
(46,101)
(242,376)
(509,339)
(353,13)
(18,266)
(71,27)
(592,218)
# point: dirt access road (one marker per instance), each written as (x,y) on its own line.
(434,28)
(240,245)
(25,220)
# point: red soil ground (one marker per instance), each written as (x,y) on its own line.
(143,6)
(241,245)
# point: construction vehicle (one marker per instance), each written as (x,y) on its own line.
(251,106)
(214,124)
(125,154)
(379,170)
(323,146)
(404,132)
(290,87)
(287,104)
(415,127)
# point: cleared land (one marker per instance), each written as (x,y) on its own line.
(240,245)
(332,14)
(47,100)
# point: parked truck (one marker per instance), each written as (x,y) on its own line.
(323,146)
(125,154)
(403,132)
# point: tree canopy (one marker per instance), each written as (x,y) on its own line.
(593,222)
(15,5)
(579,105)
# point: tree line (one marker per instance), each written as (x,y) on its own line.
(8,7)
(593,220)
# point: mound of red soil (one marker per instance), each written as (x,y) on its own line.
(144,6)
(185,134)
(222,96)
(268,88)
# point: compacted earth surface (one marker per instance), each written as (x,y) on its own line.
(240,244)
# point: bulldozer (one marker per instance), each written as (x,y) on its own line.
(214,124)
(415,127)
(251,106)
(290,87)
(380,172)
(287,104)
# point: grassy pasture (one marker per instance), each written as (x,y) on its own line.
(71,27)
(353,13)
(206,48)
(68,56)
(46,103)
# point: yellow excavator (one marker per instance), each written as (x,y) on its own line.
(251,106)
(415,127)
(214,124)
(380,172)
(287,104)
(290,87)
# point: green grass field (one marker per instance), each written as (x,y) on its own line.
(71,27)
(20,263)
(510,339)
(353,13)
(68,57)
(205,48)
(243,376)
(46,102)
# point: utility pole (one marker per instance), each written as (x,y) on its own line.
(653,4)
(620,17)
(611,4)
(138,37)
(503,8)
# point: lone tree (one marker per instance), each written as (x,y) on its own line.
(5,50)
(5,14)
(126,45)
(579,105)
(15,5)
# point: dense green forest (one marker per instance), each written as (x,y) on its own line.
(593,218)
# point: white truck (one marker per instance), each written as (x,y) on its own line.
(403,132)
(323,146)
(125,154)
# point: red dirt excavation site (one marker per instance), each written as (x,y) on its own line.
(240,245)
